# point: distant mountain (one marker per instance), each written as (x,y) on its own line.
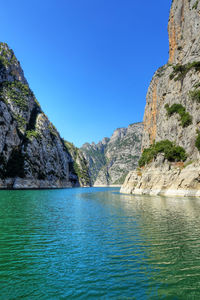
(110,160)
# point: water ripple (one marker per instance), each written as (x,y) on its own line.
(97,244)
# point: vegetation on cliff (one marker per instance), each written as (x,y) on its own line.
(169,149)
(197,142)
(32,133)
(180,71)
(17,92)
(195,5)
(185,117)
(7,57)
(195,95)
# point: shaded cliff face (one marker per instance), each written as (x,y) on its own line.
(78,164)
(95,157)
(32,154)
(172,109)
(110,160)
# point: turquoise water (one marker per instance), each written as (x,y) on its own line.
(94,243)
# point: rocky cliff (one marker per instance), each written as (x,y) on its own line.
(32,154)
(78,164)
(171,139)
(110,160)
(95,157)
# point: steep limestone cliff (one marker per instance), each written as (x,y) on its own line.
(111,159)
(172,113)
(32,154)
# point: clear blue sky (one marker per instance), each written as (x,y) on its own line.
(89,62)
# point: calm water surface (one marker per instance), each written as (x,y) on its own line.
(94,243)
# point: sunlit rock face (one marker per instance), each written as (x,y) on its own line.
(32,154)
(177,82)
(183,29)
(110,160)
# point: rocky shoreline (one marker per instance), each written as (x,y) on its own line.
(21,183)
(166,180)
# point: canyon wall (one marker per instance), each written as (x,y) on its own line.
(32,153)
(172,113)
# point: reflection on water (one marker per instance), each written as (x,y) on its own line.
(170,228)
(96,243)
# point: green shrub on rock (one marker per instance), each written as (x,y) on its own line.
(186,118)
(197,142)
(32,133)
(195,95)
(195,5)
(180,71)
(169,149)
(17,92)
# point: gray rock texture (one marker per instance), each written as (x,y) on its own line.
(111,159)
(32,154)
(183,29)
(162,178)
(178,82)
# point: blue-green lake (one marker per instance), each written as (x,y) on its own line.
(95,243)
